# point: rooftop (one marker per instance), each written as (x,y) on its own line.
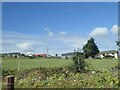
(108,52)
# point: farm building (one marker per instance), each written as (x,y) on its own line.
(110,53)
(15,54)
(68,55)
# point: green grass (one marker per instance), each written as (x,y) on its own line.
(102,64)
(95,64)
(34,63)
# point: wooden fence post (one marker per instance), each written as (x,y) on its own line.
(10,83)
(19,63)
(39,64)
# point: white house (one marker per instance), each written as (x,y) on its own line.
(15,54)
(110,53)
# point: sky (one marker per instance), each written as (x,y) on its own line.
(62,27)
(60,1)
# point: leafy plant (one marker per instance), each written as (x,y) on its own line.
(78,62)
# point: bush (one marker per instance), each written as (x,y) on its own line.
(32,57)
(66,57)
(78,62)
(9,72)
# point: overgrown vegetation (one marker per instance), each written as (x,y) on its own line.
(64,78)
(79,62)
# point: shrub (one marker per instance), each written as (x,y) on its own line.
(66,57)
(32,57)
(9,72)
(78,62)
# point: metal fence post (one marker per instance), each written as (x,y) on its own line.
(10,83)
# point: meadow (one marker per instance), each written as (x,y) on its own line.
(55,73)
(26,63)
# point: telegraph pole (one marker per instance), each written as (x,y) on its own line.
(47,50)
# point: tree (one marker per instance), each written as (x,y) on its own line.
(56,55)
(90,48)
(78,62)
(118,43)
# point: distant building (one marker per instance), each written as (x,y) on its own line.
(15,54)
(29,54)
(110,53)
(68,55)
(40,55)
(3,54)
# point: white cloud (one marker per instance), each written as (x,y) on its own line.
(46,29)
(62,33)
(24,46)
(8,41)
(12,42)
(114,29)
(60,43)
(50,33)
(99,32)
(74,41)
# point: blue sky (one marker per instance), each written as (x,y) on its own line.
(60,26)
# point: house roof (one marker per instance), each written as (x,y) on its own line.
(15,53)
(68,54)
(108,52)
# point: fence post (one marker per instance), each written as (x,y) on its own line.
(19,63)
(10,83)
(39,64)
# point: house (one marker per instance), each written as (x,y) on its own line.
(110,53)
(71,54)
(14,54)
(68,55)
(29,54)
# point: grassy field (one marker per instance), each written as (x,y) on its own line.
(95,64)
(102,64)
(34,63)
(38,78)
